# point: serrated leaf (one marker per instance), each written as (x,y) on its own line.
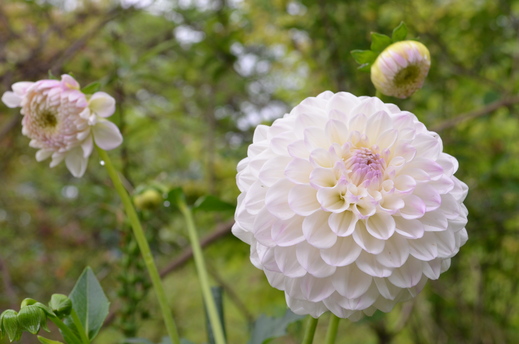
(44,340)
(90,303)
(364,56)
(91,88)
(400,32)
(175,195)
(379,42)
(212,203)
(267,328)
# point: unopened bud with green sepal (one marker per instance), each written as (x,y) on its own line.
(32,318)
(398,67)
(61,305)
(10,326)
(400,70)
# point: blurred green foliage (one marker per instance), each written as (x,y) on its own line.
(192,78)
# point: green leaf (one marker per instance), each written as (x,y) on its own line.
(91,88)
(267,328)
(366,67)
(90,303)
(175,195)
(379,42)
(212,203)
(48,341)
(400,32)
(364,56)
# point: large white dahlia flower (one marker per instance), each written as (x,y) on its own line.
(62,122)
(349,205)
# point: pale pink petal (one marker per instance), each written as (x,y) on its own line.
(43,154)
(367,242)
(69,82)
(106,135)
(302,200)
(408,275)
(395,253)
(76,163)
(11,99)
(343,224)
(344,252)
(350,282)
(287,262)
(87,146)
(273,170)
(317,232)
(316,289)
(424,248)
(276,199)
(381,226)
(411,229)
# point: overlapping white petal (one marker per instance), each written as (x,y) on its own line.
(62,122)
(349,205)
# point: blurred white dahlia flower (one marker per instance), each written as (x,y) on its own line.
(400,70)
(62,122)
(349,205)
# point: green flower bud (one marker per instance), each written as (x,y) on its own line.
(61,305)
(401,69)
(149,199)
(9,324)
(31,318)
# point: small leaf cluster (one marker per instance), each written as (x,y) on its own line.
(379,42)
(79,316)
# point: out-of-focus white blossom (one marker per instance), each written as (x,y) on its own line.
(62,122)
(349,205)
(400,70)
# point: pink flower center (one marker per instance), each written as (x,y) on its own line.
(366,167)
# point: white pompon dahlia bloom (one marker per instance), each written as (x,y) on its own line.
(62,122)
(349,205)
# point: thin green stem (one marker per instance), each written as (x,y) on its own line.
(201,269)
(143,246)
(311,325)
(66,331)
(79,326)
(331,334)
(379,94)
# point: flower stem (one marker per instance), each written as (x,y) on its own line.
(201,269)
(143,246)
(379,94)
(66,331)
(311,325)
(331,334)
(80,327)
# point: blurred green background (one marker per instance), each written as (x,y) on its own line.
(192,78)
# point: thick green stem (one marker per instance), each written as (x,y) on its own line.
(311,325)
(143,246)
(331,334)
(379,94)
(66,331)
(201,269)
(80,327)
